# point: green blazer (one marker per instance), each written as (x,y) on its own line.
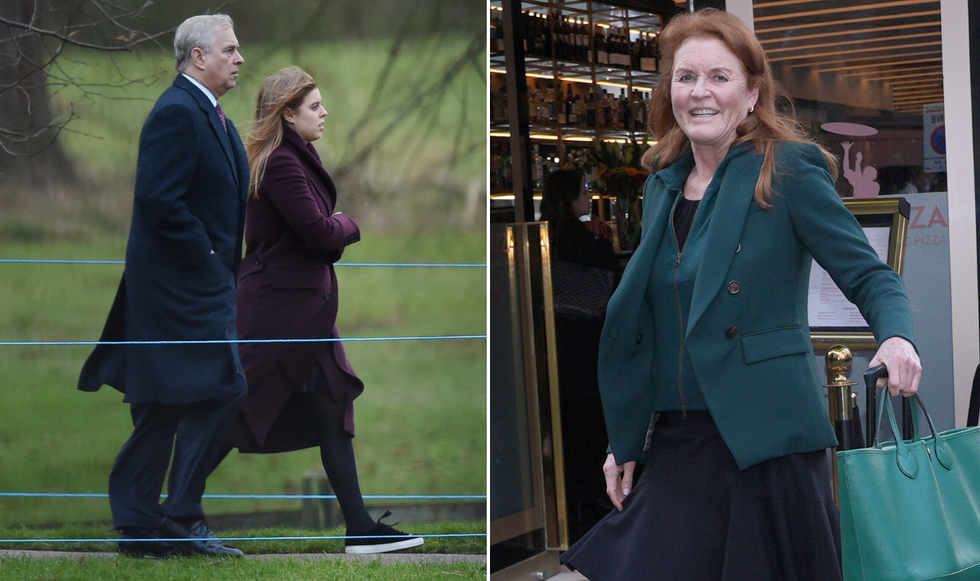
(748,333)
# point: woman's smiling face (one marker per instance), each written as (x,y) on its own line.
(709,93)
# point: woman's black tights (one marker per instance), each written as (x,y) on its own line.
(337,455)
(336,450)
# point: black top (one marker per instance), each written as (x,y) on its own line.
(683,217)
(576,243)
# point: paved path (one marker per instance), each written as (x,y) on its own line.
(566,575)
(383,557)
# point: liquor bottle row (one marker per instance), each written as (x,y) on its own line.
(542,164)
(551,103)
(555,37)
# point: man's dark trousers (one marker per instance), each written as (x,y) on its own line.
(191,434)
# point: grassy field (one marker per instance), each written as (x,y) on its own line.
(421,421)
(203,569)
(440,538)
(114,568)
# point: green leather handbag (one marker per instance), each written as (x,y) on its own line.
(910,510)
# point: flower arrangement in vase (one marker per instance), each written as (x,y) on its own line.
(619,175)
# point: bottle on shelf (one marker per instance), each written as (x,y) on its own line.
(496,168)
(600,109)
(578,106)
(550,104)
(507,168)
(559,34)
(625,111)
(496,31)
(624,48)
(640,111)
(582,42)
(606,113)
(618,54)
(537,165)
(562,116)
(601,46)
(649,55)
(639,48)
(500,110)
(569,107)
(501,173)
(590,107)
(535,100)
(538,35)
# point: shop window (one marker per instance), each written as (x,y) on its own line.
(866,78)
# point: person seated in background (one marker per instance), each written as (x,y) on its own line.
(564,203)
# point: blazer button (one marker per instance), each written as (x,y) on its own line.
(731,331)
(258,261)
(326,295)
(734,287)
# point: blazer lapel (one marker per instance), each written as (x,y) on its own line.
(223,136)
(321,182)
(212,114)
(626,302)
(735,190)
(235,150)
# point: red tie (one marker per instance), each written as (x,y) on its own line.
(221,115)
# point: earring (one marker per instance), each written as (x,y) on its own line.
(752,108)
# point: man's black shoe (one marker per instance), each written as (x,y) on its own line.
(203,541)
(142,542)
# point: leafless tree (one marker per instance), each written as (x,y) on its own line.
(33,35)
(37,36)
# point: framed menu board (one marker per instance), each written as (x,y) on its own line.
(833,319)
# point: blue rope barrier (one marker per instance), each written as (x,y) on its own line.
(257,496)
(240,539)
(380,264)
(411,264)
(228,341)
(46,261)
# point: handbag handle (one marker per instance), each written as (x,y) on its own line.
(871,377)
(904,458)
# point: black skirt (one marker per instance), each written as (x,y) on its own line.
(693,515)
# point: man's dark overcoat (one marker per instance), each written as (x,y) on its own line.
(189,200)
(287,289)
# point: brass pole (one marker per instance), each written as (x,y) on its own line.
(840,403)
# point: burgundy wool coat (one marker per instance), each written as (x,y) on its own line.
(287,290)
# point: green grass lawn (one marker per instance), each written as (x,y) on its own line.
(464,537)
(205,569)
(421,420)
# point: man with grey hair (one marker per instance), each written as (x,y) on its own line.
(169,341)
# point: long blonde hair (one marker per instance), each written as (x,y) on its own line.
(284,90)
(763,127)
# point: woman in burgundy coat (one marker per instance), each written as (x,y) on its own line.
(300,394)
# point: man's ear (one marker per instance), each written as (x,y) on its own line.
(197,57)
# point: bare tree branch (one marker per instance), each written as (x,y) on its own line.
(423,99)
(34,35)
